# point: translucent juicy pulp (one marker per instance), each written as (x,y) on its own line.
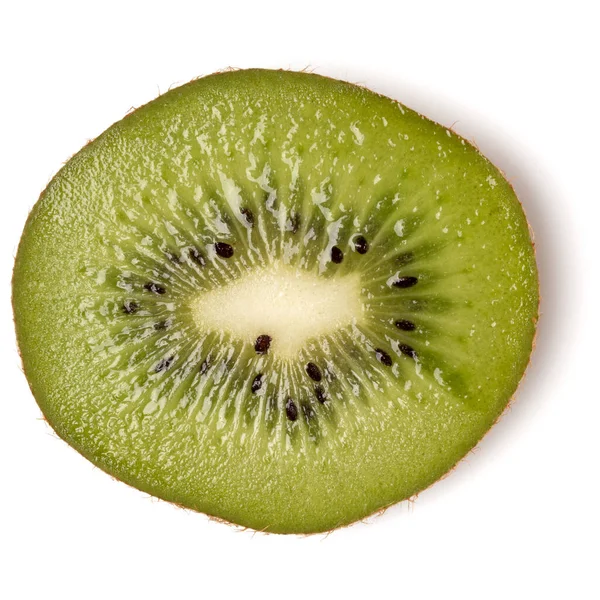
(250,172)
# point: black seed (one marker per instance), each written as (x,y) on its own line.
(204,366)
(164,364)
(309,413)
(262,344)
(291,410)
(197,256)
(405,325)
(130,307)
(223,250)
(361,245)
(337,256)
(405,282)
(257,383)
(313,371)
(161,325)
(383,357)
(295,222)
(408,350)
(320,394)
(405,258)
(248,215)
(154,288)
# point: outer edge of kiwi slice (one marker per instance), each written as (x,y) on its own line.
(55,423)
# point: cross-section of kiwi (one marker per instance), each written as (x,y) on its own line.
(276,298)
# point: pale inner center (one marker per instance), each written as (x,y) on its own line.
(291,306)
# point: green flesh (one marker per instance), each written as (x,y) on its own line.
(165,405)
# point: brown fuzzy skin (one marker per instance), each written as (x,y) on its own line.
(412,499)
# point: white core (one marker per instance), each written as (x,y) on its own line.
(292,306)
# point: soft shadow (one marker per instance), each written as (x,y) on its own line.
(543,204)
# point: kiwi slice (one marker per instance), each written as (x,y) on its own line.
(276,298)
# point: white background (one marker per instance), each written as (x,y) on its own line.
(519,517)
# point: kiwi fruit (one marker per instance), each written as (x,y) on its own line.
(276,298)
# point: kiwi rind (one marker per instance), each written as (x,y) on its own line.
(296,502)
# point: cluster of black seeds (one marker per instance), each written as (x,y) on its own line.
(291,409)
(222,249)
(403,324)
(263,342)
(360,245)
